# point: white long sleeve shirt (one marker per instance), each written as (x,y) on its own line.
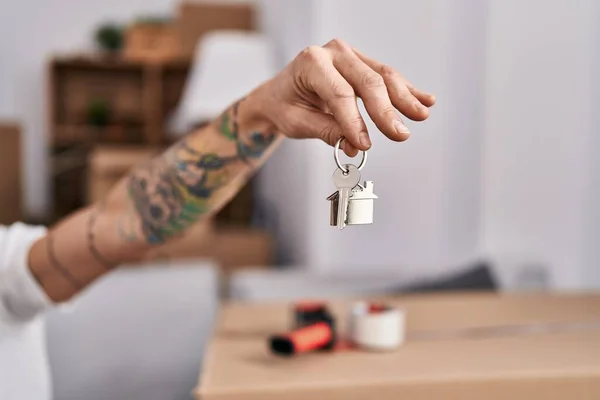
(24,371)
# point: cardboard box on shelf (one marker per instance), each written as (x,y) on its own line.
(10,173)
(194,19)
(231,248)
(152,41)
(236,248)
(458,346)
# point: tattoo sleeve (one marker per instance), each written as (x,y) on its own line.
(154,203)
(193,178)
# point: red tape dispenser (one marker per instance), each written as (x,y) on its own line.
(314,330)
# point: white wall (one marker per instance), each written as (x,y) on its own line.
(540,87)
(285,178)
(505,167)
(427,210)
(591,271)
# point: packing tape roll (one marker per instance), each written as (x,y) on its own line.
(376,326)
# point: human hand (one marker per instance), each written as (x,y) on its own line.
(315,97)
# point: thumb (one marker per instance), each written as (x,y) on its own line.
(320,125)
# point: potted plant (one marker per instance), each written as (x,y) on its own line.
(109,38)
(98,113)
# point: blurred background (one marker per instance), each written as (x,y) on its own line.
(498,190)
(504,169)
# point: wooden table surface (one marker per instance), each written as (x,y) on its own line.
(439,359)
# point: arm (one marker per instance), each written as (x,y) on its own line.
(157,201)
(313,97)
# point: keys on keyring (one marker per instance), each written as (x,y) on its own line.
(345,182)
(351,204)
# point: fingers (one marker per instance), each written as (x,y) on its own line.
(350,150)
(371,87)
(409,100)
(324,83)
(330,85)
(426,99)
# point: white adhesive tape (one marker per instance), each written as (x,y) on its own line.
(377,330)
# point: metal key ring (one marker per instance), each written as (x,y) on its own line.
(336,156)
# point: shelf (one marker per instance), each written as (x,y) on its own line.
(70,160)
(107,62)
(66,135)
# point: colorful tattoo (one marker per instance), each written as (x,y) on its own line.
(174,191)
(259,141)
(126,228)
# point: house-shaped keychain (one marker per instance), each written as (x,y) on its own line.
(360,205)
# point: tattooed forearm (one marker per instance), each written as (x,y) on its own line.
(64,261)
(126,227)
(175,191)
(58,266)
(66,270)
(254,146)
(100,258)
(154,203)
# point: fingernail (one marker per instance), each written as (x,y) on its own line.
(401,128)
(364,140)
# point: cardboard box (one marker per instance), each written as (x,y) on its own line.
(154,42)
(10,173)
(468,346)
(194,19)
(236,248)
(231,248)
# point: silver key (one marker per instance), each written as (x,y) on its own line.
(345,182)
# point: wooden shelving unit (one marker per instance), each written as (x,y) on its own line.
(140,96)
(108,113)
(136,97)
(134,93)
